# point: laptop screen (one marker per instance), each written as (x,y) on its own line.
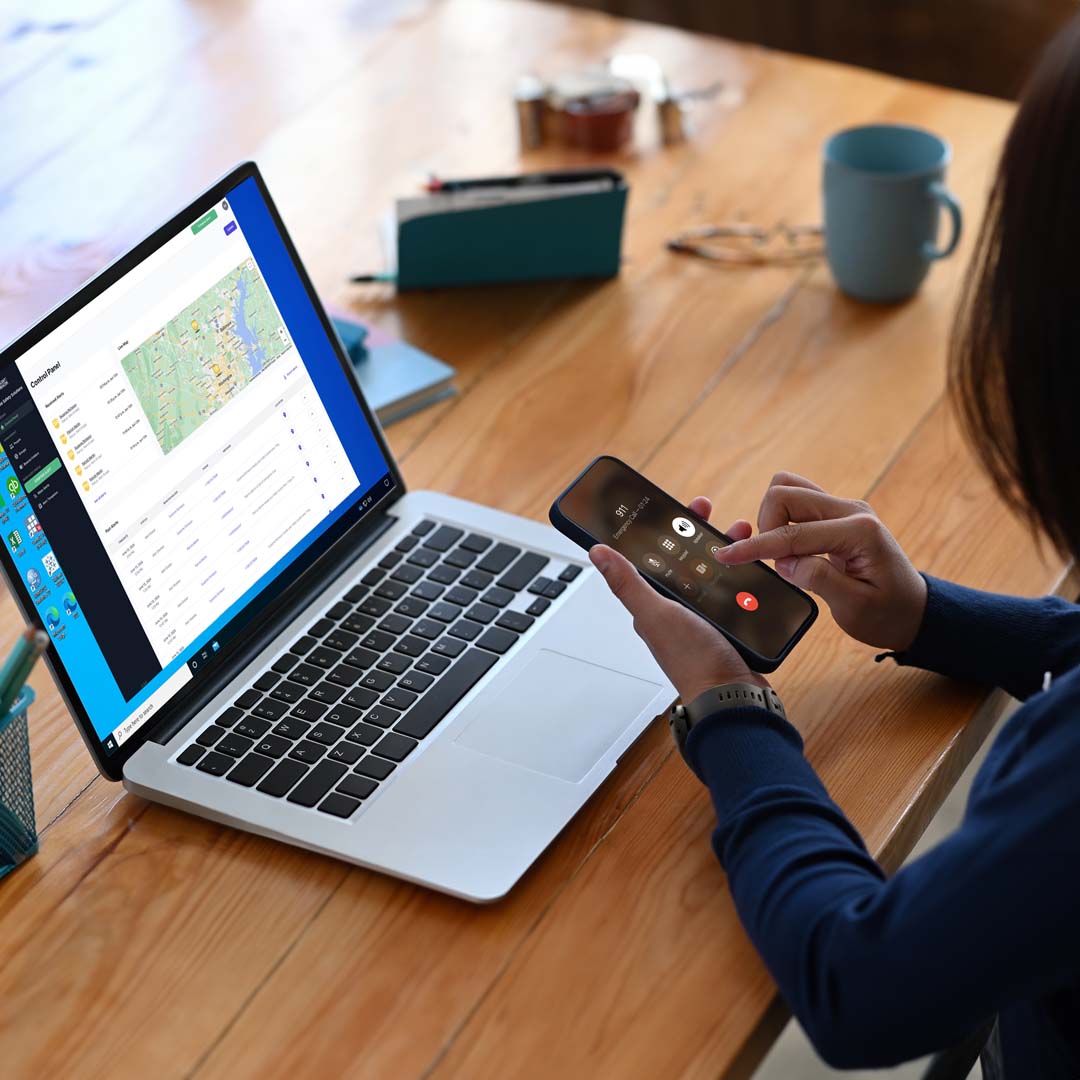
(168,451)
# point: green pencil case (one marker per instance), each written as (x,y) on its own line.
(528,228)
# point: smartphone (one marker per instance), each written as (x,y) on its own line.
(760,613)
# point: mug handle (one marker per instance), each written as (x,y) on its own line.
(944,196)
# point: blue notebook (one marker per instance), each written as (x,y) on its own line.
(396,378)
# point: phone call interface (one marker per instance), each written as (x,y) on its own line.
(637,519)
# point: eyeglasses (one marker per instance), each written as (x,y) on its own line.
(751,245)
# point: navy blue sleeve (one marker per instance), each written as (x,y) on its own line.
(880,970)
(994,640)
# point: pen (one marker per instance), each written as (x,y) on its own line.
(367,279)
(30,645)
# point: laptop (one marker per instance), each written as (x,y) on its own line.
(251,618)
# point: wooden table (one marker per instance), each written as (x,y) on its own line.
(141,942)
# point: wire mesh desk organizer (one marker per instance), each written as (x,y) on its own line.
(18,832)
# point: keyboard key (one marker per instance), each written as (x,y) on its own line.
(305,674)
(391,590)
(408,574)
(326,693)
(292,728)
(288,691)
(344,675)
(324,657)
(395,663)
(538,607)
(209,736)
(359,787)
(429,710)
(325,733)
(282,777)
(477,579)
(273,746)
(443,538)
(229,716)
(250,770)
(374,606)
(411,646)
(382,716)
(517,621)
(359,697)
(341,640)
(423,528)
(476,542)
(540,584)
(461,596)
(498,596)
(411,606)
(190,754)
(357,623)
(356,594)
(317,783)
(555,589)
(303,645)
(307,751)
(482,613)
(423,557)
(378,641)
(215,764)
(378,680)
(234,745)
(523,571)
(284,663)
(365,734)
(268,709)
(428,629)
(393,746)
(343,715)
(247,699)
(390,560)
(445,612)
(406,543)
(252,727)
(363,657)
(339,805)
(346,752)
(570,573)
(465,629)
(448,646)
(338,611)
(460,558)
(444,575)
(395,624)
(373,577)
(431,664)
(321,628)
(375,767)
(498,558)
(416,681)
(398,698)
(496,639)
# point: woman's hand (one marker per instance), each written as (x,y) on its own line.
(873,591)
(694,655)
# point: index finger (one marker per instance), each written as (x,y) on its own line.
(805,538)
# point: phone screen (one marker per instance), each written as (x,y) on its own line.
(622,509)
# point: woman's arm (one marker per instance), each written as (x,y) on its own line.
(880,971)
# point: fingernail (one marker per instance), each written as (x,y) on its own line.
(723,554)
(600,559)
(786,567)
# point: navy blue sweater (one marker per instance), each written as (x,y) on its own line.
(880,970)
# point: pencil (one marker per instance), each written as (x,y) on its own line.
(30,645)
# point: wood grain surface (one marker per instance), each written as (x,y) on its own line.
(144,942)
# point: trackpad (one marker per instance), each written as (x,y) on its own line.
(558,715)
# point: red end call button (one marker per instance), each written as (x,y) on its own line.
(747,601)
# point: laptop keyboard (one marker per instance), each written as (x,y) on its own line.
(334,716)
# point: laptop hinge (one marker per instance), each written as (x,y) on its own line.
(319,577)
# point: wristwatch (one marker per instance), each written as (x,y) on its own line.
(684,718)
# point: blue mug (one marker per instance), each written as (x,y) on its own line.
(884,189)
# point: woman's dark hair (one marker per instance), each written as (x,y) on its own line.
(1014,371)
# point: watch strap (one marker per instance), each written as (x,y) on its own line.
(684,718)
